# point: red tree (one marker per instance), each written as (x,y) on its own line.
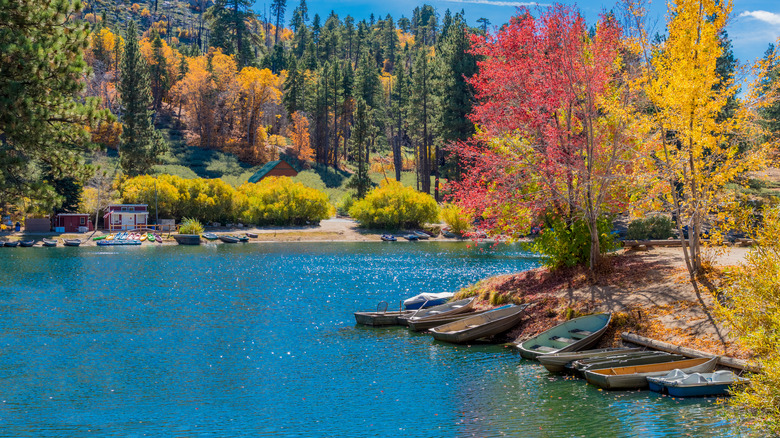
(552,112)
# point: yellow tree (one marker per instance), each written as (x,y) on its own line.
(257,89)
(696,152)
(299,134)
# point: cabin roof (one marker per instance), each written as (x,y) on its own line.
(260,174)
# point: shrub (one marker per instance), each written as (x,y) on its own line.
(190,226)
(394,206)
(569,245)
(458,221)
(280,201)
(345,204)
(655,227)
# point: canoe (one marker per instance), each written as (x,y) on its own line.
(427,300)
(13,244)
(419,325)
(411,237)
(378,319)
(635,377)
(49,242)
(143,237)
(251,235)
(228,239)
(573,335)
(640,358)
(556,362)
(158,238)
(480,326)
(210,236)
(71,242)
(187,239)
(679,384)
(388,238)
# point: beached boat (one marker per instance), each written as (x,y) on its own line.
(99,237)
(556,362)
(388,238)
(251,235)
(428,323)
(448,234)
(573,335)
(679,384)
(210,236)
(635,377)
(49,242)
(421,235)
(427,300)
(242,239)
(411,237)
(228,239)
(480,326)
(13,244)
(187,239)
(71,242)
(118,242)
(143,237)
(27,243)
(158,238)
(450,308)
(628,359)
(110,237)
(379,319)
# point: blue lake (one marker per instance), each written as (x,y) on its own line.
(259,340)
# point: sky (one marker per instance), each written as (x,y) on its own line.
(754,23)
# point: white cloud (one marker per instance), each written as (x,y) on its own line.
(498,3)
(766,17)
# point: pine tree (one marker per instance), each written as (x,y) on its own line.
(360,136)
(770,89)
(277,10)
(160,80)
(141,144)
(421,112)
(229,30)
(43,119)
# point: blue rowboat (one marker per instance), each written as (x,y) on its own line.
(679,384)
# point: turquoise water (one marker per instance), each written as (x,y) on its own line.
(259,340)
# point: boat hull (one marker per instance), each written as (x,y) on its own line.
(556,362)
(187,239)
(228,239)
(480,326)
(579,334)
(379,319)
(629,360)
(419,325)
(636,377)
(72,242)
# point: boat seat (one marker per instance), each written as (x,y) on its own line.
(543,348)
(562,339)
(723,377)
(580,332)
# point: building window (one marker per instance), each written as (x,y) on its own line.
(124,208)
(82,221)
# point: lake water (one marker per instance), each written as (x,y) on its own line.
(259,340)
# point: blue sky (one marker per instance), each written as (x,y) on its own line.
(754,23)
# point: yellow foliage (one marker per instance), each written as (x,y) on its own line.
(145,13)
(298,132)
(280,201)
(102,46)
(456,218)
(392,205)
(135,8)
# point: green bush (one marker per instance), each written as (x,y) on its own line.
(394,206)
(458,221)
(655,227)
(190,226)
(280,201)
(569,245)
(345,204)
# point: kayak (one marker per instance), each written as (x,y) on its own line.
(143,237)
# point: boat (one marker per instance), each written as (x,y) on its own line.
(556,362)
(411,237)
(99,237)
(427,300)
(448,234)
(450,308)
(573,335)
(49,242)
(378,319)
(119,242)
(27,243)
(158,238)
(679,384)
(251,235)
(210,236)
(187,239)
(428,323)
(635,377)
(110,237)
(629,359)
(13,244)
(480,326)
(228,239)
(71,242)
(421,235)
(143,237)
(242,239)
(388,238)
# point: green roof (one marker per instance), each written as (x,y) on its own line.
(263,171)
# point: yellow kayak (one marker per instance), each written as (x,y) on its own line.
(110,237)
(143,237)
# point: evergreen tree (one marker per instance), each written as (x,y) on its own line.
(420,116)
(277,10)
(360,181)
(43,119)
(770,89)
(398,109)
(140,144)
(160,82)
(294,87)
(229,30)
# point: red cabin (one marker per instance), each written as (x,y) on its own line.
(74,222)
(126,216)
